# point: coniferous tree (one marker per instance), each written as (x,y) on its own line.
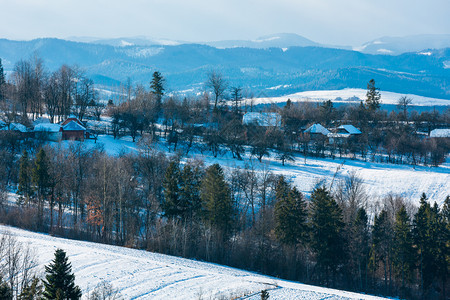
(442,227)
(33,291)
(216,199)
(359,246)
(2,82)
(425,243)
(264,295)
(157,86)
(290,216)
(327,239)
(403,251)
(41,180)
(60,281)
(171,186)
(382,235)
(5,290)
(25,176)
(40,173)
(190,190)
(373,96)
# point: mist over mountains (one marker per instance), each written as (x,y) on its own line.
(269,66)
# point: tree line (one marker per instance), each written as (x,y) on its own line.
(244,217)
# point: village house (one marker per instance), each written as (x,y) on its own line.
(73,131)
(48,132)
(21,130)
(348,129)
(317,131)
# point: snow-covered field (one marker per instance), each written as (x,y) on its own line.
(379,179)
(348,96)
(140,274)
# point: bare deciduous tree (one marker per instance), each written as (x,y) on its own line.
(218,84)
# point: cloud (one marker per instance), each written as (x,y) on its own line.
(326,21)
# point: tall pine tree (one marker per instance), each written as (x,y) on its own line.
(425,242)
(382,236)
(373,97)
(327,239)
(171,186)
(403,251)
(25,189)
(216,199)
(359,247)
(59,282)
(41,180)
(157,86)
(190,191)
(2,82)
(290,216)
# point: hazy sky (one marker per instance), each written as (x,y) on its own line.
(344,22)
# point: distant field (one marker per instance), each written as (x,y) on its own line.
(348,96)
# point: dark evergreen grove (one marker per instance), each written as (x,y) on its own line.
(245,217)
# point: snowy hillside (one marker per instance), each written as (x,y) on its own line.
(349,96)
(144,275)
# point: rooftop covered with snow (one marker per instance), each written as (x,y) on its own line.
(317,129)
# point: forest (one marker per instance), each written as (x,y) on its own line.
(244,217)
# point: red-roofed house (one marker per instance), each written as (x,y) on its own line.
(73,129)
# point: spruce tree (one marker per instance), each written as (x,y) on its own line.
(41,180)
(442,226)
(264,295)
(373,97)
(5,290)
(33,291)
(425,242)
(327,239)
(171,186)
(190,190)
(40,173)
(59,282)
(2,82)
(382,236)
(157,86)
(25,189)
(290,218)
(403,251)
(359,246)
(216,199)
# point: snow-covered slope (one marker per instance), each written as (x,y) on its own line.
(349,96)
(144,275)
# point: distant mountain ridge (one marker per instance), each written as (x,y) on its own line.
(281,40)
(399,45)
(266,72)
(384,45)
